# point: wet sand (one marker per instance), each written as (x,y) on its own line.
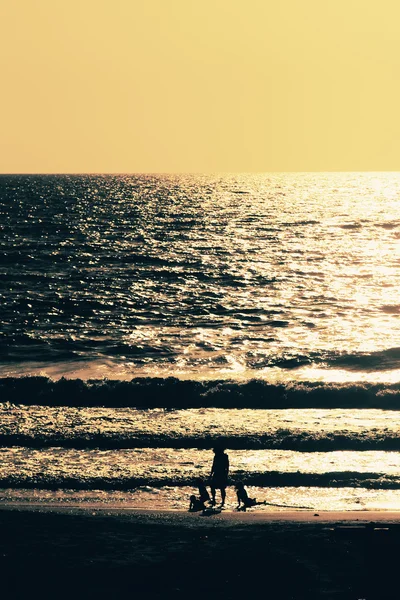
(114,552)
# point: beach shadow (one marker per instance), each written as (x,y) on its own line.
(209,512)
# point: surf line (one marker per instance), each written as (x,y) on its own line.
(288,505)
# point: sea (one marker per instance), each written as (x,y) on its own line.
(148,318)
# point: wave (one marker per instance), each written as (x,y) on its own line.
(270,479)
(279,440)
(149,392)
(261,328)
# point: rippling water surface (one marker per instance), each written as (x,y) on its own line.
(198,285)
(273,275)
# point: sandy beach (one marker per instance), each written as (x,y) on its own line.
(114,552)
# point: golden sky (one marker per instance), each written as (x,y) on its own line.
(199,85)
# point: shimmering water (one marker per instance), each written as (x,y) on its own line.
(290,279)
(278,276)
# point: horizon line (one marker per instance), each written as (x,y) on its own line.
(6,174)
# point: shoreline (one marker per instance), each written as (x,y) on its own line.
(226,516)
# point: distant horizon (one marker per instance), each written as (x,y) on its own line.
(194,172)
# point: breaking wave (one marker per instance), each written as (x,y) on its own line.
(175,393)
(270,479)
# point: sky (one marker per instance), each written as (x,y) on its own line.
(133,86)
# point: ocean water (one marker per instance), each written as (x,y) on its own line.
(146,317)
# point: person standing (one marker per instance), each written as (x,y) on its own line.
(219,474)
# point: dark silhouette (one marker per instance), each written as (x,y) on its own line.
(196,504)
(244,499)
(204,495)
(219,474)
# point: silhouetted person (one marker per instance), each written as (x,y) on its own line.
(219,474)
(196,504)
(244,499)
(204,495)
